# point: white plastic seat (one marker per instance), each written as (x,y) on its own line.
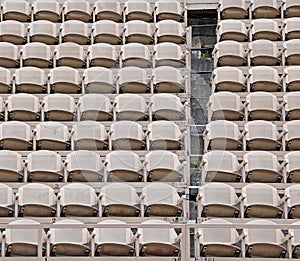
(11,166)
(78,199)
(263,52)
(44,166)
(291,160)
(170,31)
(264,243)
(265,29)
(165,106)
(131,107)
(46,10)
(23,107)
(30,79)
(225,106)
(292,78)
(222,135)
(232,30)
(295,240)
(36,54)
(263,106)
(90,135)
(292,107)
(292,135)
(52,136)
(64,80)
(291,8)
(75,31)
(292,52)
(69,241)
(95,107)
(36,200)
(84,166)
(103,54)
(292,194)
(291,29)
(9,56)
(69,54)
(233,9)
(133,80)
(16,10)
(43,31)
(6,201)
(137,31)
(108,10)
(226,169)
(119,199)
(12,32)
(168,54)
(15,135)
(135,54)
(264,8)
(5,80)
(138,10)
(229,53)
(261,201)
(161,200)
(106,31)
(77,10)
(168,10)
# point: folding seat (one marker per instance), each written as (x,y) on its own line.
(64,80)
(291,160)
(16,10)
(43,31)
(163,166)
(262,166)
(89,135)
(59,107)
(11,166)
(264,78)
(291,8)
(225,106)
(9,56)
(52,136)
(226,170)
(96,107)
(15,135)
(292,52)
(222,135)
(292,78)
(119,200)
(264,242)
(261,201)
(168,54)
(264,8)
(113,241)
(75,31)
(265,29)
(229,53)
(137,31)
(263,106)
(102,54)
(228,79)
(167,79)
(5,80)
(6,201)
(291,29)
(83,165)
(69,241)
(78,199)
(161,199)
(292,197)
(232,30)
(69,54)
(44,166)
(264,52)
(295,242)
(23,241)
(98,80)
(137,10)
(77,10)
(2,108)
(127,135)
(292,107)
(131,107)
(106,31)
(135,54)
(46,10)
(158,241)
(218,241)
(233,9)
(23,107)
(13,32)
(108,10)
(292,135)
(170,31)
(165,106)
(36,200)
(168,10)
(165,135)
(36,54)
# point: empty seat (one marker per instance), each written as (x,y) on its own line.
(70,241)
(226,169)
(106,31)
(89,135)
(161,200)
(233,9)
(225,106)
(138,32)
(95,107)
(295,240)
(77,10)
(131,107)
(168,54)
(292,78)
(263,106)
(16,10)
(30,79)
(291,29)
(43,31)
(263,52)
(78,199)
(291,8)
(46,10)
(11,166)
(232,30)
(6,200)
(36,200)
(8,55)
(137,10)
(69,54)
(135,54)
(292,135)
(75,31)
(222,135)
(36,54)
(291,160)
(102,54)
(52,136)
(229,53)
(292,52)
(23,107)
(170,31)
(44,166)
(166,10)
(264,8)
(261,201)
(292,195)
(5,80)
(127,135)
(12,32)
(265,29)
(292,107)
(64,80)
(83,166)
(59,107)
(119,199)
(108,10)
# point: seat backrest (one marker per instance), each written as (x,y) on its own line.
(16,130)
(127,130)
(226,161)
(23,101)
(222,128)
(164,130)
(6,195)
(84,160)
(98,74)
(52,130)
(224,100)
(261,129)
(161,159)
(258,160)
(123,160)
(31,75)
(94,102)
(132,74)
(10,160)
(89,130)
(44,160)
(262,101)
(130,102)
(64,74)
(59,102)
